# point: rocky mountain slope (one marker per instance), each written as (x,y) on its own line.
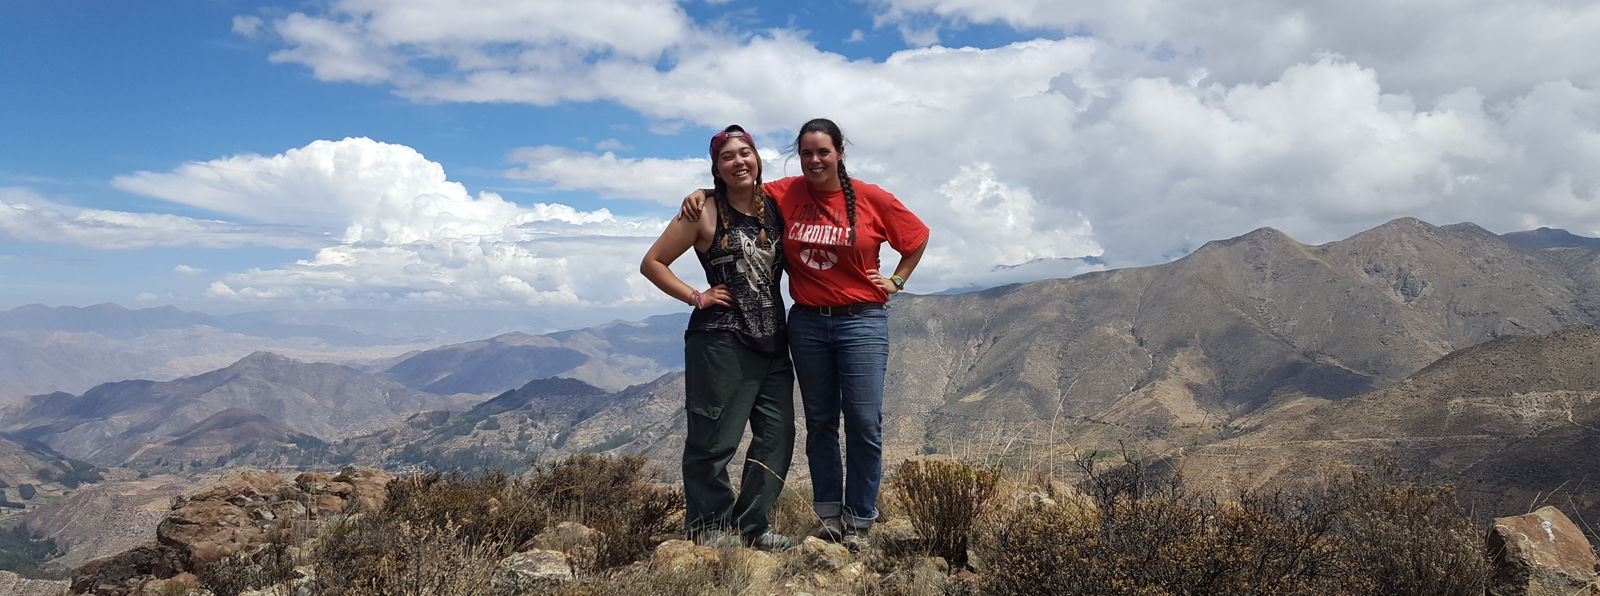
(116,423)
(32,474)
(1176,354)
(543,419)
(107,518)
(1510,421)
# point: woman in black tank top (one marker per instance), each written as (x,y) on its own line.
(736,359)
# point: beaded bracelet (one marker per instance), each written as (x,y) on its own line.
(697,303)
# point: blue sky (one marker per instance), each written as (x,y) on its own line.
(227,156)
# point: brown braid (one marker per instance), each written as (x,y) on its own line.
(725,206)
(849,200)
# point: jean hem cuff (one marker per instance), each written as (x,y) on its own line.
(828,510)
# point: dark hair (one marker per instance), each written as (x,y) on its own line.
(720,192)
(827,127)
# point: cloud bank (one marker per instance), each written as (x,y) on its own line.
(1129,132)
(407,234)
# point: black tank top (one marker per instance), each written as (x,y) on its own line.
(751,271)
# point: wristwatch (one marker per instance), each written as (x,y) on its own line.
(899,282)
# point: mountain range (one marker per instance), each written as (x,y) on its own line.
(119,423)
(1244,354)
(71,349)
(1184,353)
(611,356)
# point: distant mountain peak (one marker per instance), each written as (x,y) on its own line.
(261,357)
(1261,235)
(1547,237)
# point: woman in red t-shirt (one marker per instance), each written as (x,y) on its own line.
(839,325)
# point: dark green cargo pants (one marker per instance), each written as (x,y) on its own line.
(727,386)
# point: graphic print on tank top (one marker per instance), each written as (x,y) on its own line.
(751,272)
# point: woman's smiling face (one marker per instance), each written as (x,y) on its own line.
(738,164)
(819,160)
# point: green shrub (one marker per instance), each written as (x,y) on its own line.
(23,553)
(942,498)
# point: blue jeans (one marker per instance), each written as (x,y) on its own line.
(840,362)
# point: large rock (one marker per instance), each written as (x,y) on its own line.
(1540,553)
(532,570)
(239,515)
(580,543)
(123,573)
(820,555)
(676,554)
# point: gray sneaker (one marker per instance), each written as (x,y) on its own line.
(717,539)
(854,538)
(831,529)
(771,541)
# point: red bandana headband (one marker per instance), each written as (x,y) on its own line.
(721,138)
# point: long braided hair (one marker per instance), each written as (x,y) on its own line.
(720,189)
(827,127)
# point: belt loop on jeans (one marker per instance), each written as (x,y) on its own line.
(845,309)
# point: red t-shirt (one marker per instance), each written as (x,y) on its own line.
(824,268)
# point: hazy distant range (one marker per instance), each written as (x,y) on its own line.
(65,348)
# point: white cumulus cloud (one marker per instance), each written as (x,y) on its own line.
(1135,131)
(407,234)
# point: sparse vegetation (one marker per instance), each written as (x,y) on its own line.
(943,498)
(24,554)
(1130,527)
(1135,530)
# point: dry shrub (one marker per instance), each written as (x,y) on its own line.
(492,506)
(249,571)
(445,533)
(942,498)
(1147,536)
(372,555)
(1413,538)
(615,496)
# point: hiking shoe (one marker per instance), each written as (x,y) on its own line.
(717,539)
(771,542)
(831,529)
(854,538)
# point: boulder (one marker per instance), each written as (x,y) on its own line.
(821,555)
(123,573)
(580,543)
(208,531)
(532,570)
(369,487)
(1540,553)
(674,554)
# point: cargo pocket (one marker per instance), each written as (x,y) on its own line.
(705,406)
